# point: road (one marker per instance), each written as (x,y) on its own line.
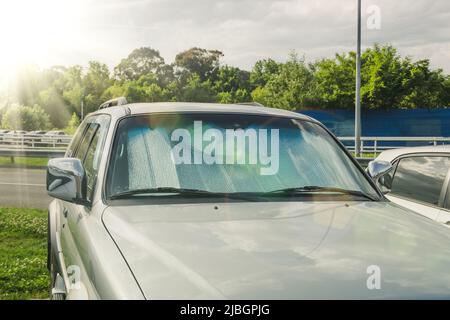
(21,187)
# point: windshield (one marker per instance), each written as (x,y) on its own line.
(228,153)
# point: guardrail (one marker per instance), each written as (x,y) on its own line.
(33,141)
(49,146)
(32,145)
(375,145)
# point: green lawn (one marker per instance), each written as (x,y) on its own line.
(26,161)
(371,155)
(23,254)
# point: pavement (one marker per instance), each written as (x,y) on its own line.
(23,187)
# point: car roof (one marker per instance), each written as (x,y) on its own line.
(175,107)
(392,154)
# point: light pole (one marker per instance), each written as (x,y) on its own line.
(358,87)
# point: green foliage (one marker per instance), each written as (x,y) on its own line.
(232,85)
(201,62)
(95,82)
(198,91)
(26,118)
(335,81)
(145,89)
(263,71)
(140,62)
(23,253)
(73,124)
(292,86)
(23,162)
(388,81)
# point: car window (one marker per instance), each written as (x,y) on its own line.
(385,181)
(420,178)
(91,149)
(144,156)
(90,163)
(75,140)
(80,152)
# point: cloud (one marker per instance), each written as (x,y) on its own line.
(248,30)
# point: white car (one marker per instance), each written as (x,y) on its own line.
(14,137)
(55,137)
(419,180)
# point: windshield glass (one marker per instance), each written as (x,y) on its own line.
(228,153)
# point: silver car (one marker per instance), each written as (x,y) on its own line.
(419,180)
(175,201)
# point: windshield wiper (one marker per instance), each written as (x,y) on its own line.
(134,192)
(309,189)
(184,191)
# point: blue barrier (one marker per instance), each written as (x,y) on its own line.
(387,123)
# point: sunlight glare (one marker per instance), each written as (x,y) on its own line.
(31,29)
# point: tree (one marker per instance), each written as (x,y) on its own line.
(139,62)
(73,90)
(232,79)
(145,89)
(389,80)
(28,83)
(19,117)
(198,91)
(263,95)
(73,124)
(382,74)
(263,71)
(425,87)
(232,85)
(293,87)
(55,106)
(95,82)
(335,81)
(202,62)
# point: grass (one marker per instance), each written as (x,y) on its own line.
(371,155)
(25,161)
(23,254)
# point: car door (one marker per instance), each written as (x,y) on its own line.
(444,214)
(75,217)
(419,183)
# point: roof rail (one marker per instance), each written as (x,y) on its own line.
(114,102)
(253,103)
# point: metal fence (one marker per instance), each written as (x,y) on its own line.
(372,146)
(33,145)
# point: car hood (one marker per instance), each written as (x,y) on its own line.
(282,250)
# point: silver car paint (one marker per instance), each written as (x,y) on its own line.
(311,249)
(281,250)
(440,215)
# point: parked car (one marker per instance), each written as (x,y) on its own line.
(54,137)
(419,180)
(151,204)
(14,137)
(34,137)
(2,133)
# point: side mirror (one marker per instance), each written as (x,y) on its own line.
(378,168)
(66,180)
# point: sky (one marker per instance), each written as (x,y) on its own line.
(67,32)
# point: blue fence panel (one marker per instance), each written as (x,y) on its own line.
(387,123)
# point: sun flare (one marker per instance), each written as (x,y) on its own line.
(31,29)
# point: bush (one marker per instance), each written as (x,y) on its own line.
(19,117)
